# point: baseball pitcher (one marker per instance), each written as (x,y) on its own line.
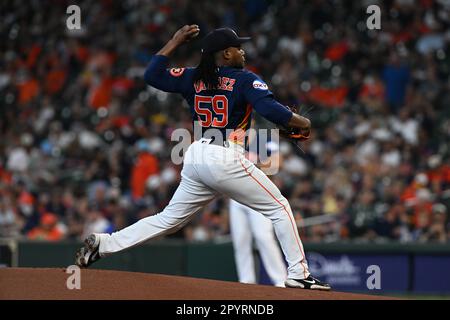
(221,95)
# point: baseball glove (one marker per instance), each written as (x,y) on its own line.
(295,134)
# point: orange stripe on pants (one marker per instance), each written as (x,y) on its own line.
(287,212)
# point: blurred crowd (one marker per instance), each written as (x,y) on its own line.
(85,144)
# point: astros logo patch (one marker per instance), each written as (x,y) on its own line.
(176,72)
(260,85)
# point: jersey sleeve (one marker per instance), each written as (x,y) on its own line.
(257,93)
(175,80)
(255,89)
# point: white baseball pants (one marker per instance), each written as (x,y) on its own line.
(247,224)
(209,171)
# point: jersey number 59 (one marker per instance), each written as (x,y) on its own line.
(212,111)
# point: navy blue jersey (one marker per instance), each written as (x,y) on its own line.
(227,108)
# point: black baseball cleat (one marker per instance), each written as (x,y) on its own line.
(88,254)
(308,283)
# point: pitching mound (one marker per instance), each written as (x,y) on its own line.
(50,284)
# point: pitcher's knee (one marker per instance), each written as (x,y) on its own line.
(278,209)
(285,203)
(281,204)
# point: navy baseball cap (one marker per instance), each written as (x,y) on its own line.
(220,39)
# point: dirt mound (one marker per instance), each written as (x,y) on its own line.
(51,284)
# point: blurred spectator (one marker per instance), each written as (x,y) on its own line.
(96,223)
(389,226)
(49,229)
(145,166)
(9,222)
(363,216)
(438,174)
(437,227)
(396,76)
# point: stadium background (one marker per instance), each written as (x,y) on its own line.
(85,144)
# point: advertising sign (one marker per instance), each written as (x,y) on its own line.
(359,273)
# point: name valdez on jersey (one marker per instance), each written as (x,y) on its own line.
(224,84)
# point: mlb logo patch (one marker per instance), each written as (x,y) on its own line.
(176,72)
(260,85)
